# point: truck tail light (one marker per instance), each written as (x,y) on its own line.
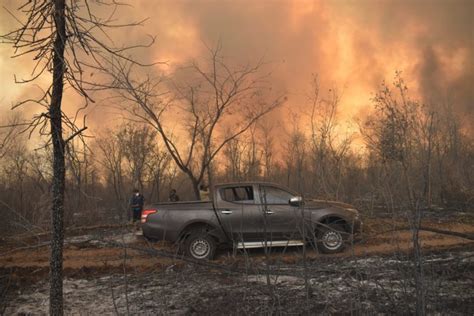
(145,214)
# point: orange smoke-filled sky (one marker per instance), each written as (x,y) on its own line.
(352,45)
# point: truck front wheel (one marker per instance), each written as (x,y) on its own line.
(331,239)
(200,246)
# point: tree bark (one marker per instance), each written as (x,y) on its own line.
(195,184)
(57,230)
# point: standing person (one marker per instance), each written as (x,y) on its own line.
(204,192)
(173,197)
(136,204)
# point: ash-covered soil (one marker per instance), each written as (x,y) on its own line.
(115,271)
(358,285)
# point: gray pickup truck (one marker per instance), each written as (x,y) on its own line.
(251,215)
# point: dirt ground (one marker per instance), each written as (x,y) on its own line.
(114,270)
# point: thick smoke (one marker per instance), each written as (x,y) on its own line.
(351,45)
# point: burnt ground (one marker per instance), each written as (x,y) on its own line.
(112,270)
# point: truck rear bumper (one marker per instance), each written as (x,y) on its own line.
(158,232)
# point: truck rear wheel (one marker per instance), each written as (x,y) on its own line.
(200,246)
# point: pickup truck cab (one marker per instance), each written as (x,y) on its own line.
(251,215)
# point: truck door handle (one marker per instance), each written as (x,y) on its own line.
(269,212)
(226,212)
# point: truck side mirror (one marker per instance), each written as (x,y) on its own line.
(296,201)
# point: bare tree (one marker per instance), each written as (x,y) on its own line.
(295,157)
(393,133)
(64,39)
(251,155)
(136,143)
(267,150)
(81,179)
(111,158)
(132,156)
(233,160)
(453,150)
(8,133)
(214,95)
(16,168)
(252,161)
(329,150)
(158,172)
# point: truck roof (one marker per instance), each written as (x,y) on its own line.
(246,183)
(252,183)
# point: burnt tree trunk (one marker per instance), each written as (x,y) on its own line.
(195,184)
(57,230)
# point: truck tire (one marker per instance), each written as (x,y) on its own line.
(331,239)
(200,246)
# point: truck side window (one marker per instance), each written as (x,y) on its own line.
(276,196)
(238,194)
